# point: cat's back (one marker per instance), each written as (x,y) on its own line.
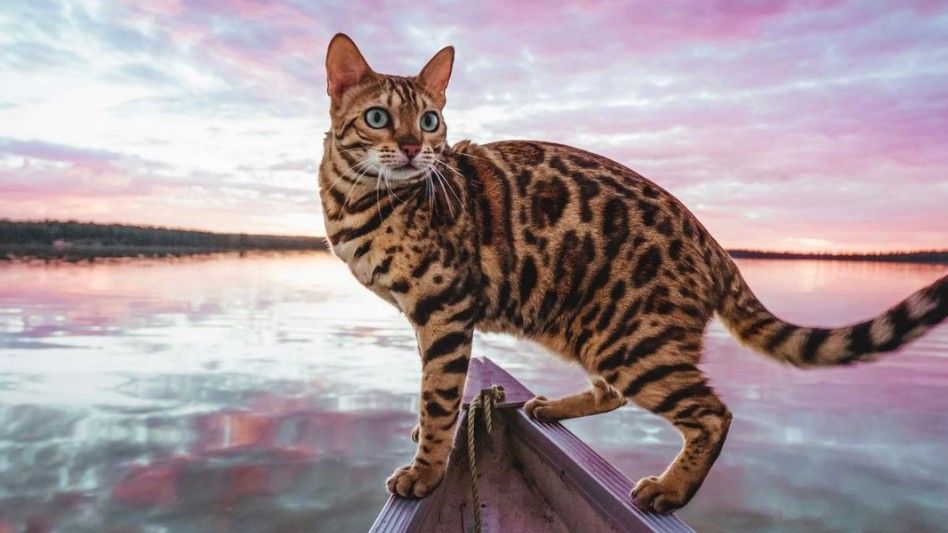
(561,172)
(561,228)
(545,187)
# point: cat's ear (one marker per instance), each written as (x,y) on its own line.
(434,77)
(345,65)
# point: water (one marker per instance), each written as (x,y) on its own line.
(272,393)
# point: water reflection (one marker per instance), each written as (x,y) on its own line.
(273,393)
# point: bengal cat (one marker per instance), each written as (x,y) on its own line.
(558,245)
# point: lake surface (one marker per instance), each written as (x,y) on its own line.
(273,393)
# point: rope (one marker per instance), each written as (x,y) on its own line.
(483,402)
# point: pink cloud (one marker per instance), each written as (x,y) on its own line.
(776,109)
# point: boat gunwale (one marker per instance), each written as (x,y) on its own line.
(601,484)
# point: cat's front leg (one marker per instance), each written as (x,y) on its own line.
(445,348)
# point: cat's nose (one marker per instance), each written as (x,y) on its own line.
(410,149)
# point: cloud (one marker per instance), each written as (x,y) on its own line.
(143,73)
(54,152)
(808,120)
(34,55)
(45,180)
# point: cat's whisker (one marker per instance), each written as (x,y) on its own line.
(449,167)
(343,150)
(335,181)
(450,186)
(345,203)
(428,195)
(356,179)
(384,175)
(388,186)
(413,196)
(393,191)
(460,202)
(447,199)
(341,177)
(378,198)
(472,156)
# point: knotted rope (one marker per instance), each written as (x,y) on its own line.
(483,402)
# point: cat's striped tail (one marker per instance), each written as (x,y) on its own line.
(755,326)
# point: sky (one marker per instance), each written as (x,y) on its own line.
(813,125)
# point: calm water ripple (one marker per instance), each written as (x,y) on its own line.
(273,393)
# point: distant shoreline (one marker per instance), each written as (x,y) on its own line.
(939,257)
(79,241)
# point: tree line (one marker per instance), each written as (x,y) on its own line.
(916,256)
(64,238)
(51,237)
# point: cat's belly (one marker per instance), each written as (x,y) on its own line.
(552,344)
(495,326)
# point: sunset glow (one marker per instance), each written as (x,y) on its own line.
(815,125)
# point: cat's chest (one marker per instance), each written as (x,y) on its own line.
(375,258)
(358,265)
(365,259)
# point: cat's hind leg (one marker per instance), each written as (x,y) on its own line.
(666,382)
(600,398)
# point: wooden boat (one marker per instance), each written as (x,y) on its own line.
(533,476)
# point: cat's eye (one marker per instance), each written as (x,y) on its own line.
(376,117)
(429,121)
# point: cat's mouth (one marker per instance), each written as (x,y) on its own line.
(407,171)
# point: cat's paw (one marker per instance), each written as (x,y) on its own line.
(659,495)
(414,480)
(415,431)
(604,393)
(538,408)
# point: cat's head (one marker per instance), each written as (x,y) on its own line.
(386,125)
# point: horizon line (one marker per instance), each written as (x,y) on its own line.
(730,250)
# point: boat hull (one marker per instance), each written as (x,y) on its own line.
(534,476)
